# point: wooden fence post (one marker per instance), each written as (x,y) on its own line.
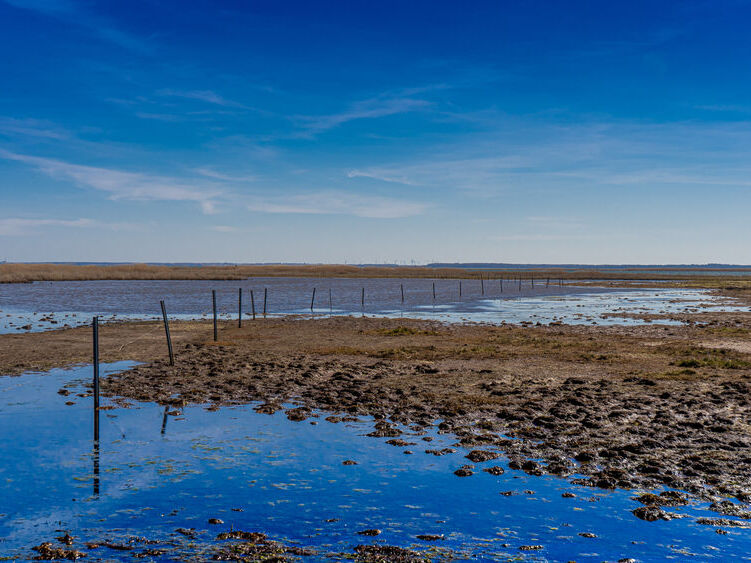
(166,331)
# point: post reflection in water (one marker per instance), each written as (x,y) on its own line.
(95,455)
(164,420)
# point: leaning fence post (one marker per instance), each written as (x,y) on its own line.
(166,331)
(239,307)
(402,286)
(265,294)
(312,299)
(433,291)
(213,302)
(252,304)
(95,330)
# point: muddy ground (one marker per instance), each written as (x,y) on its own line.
(627,407)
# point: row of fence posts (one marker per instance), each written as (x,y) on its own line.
(95,335)
(312,304)
(240,323)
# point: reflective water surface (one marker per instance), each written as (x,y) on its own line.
(48,305)
(155,472)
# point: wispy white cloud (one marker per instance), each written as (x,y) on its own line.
(36,128)
(556,157)
(340,203)
(538,237)
(207,96)
(365,109)
(17,226)
(554,222)
(467,173)
(225,229)
(79,14)
(24,226)
(724,108)
(168,117)
(213,174)
(122,185)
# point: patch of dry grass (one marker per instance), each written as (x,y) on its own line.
(23,273)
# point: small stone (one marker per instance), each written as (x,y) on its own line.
(215,521)
(478,456)
(349,462)
(587,535)
(464,471)
(372,532)
(651,513)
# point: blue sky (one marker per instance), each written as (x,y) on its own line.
(390,131)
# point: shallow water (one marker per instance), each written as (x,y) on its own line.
(48,305)
(288,479)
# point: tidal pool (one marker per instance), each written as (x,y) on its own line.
(48,305)
(154,473)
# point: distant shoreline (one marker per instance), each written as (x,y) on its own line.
(713,276)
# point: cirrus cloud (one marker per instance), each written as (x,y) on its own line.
(340,203)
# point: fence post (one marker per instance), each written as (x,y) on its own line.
(166,331)
(433,291)
(312,299)
(482,287)
(239,307)
(362,298)
(460,288)
(252,304)
(95,330)
(402,286)
(501,284)
(213,303)
(265,294)
(331,306)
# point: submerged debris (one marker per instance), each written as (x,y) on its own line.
(386,553)
(49,552)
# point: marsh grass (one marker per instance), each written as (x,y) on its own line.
(24,273)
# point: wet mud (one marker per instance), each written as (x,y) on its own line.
(638,407)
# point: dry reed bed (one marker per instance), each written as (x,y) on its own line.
(25,273)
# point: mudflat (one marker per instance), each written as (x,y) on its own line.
(610,407)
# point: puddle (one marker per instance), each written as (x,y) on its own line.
(48,305)
(156,473)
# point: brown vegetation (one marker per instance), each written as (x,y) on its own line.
(636,406)
(24,273)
